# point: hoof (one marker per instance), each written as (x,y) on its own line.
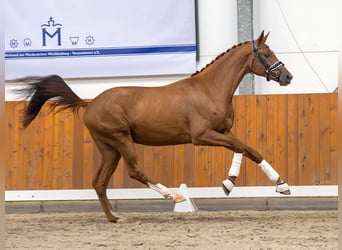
(227,186)
(118,220)
(283,188)
(287,192)
(121,220)
(179,198)
(114,218)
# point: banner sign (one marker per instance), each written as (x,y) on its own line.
(86,38)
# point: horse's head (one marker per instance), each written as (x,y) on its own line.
(265,63)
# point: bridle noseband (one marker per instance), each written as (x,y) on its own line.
(269,69)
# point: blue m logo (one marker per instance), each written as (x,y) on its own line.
(51,30)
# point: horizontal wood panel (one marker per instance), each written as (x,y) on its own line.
(295,133)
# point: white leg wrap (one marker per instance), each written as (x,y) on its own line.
(228,186)
(164,191)
(269,171)
(236,163)
(282,187)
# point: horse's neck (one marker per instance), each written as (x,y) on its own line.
(222,78)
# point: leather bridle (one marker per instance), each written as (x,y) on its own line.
(269,69)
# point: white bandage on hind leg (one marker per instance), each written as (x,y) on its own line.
(269,171)
(164,191)
(236,163)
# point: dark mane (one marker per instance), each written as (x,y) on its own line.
(218,57)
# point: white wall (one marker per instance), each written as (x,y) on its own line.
(304,36)
(312,24)
(217,28)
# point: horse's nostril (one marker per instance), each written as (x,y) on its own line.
(289,77)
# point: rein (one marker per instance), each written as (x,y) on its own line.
(269,69)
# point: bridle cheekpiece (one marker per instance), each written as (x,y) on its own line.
(269,69)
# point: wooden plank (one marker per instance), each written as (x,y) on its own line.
(281,159)
(38,169)
(261,132)
(26,141)
(168,166)
(271,132)
(332,174)
(57,168)
(306,173)
(202,174)
(221,164)
(292,140)
(47,177)
(8,133)
(324,140)
(68,149)
(209,164)
(314,130)
(217,164)
(31,171)
(304,176)
(240,133)
(24,148)
(179,164)
(189,164)
(11,161)
(251,139)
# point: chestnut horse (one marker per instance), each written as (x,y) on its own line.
(194,110)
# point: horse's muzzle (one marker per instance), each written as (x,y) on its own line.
(285,78)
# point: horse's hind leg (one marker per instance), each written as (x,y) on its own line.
(128,152)
(110,160)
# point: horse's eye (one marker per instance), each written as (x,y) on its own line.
(267,55)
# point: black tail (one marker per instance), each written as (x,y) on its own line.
(41,89)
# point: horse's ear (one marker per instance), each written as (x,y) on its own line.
(262,38)
(265,37)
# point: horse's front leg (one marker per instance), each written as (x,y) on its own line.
(234,172)
(213,138)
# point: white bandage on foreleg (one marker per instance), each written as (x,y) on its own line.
(236,163)
(269,171)
(164,191)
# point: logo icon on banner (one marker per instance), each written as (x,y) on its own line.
(13,43)
(27,42)
(90,40)
(51,30)
(74,40)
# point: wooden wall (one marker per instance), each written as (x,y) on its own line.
(295,133)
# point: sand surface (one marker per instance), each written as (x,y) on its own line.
(169,230)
